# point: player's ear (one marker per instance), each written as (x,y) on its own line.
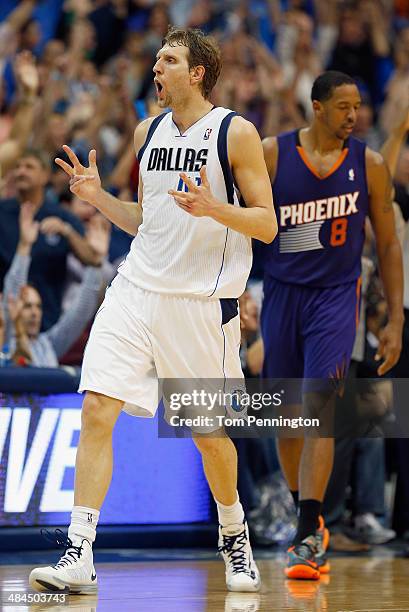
(317,107)
(197,74)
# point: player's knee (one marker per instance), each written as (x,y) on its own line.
(98,414)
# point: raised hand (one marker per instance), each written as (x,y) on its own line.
(84,182)
(99,235)
(28,227)
(27,73)
(15,307)
(81,8)
(54,225)
(199,200)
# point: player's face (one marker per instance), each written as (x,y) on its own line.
(339,113)
(172,75)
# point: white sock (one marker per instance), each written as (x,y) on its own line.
(230,515)
(83,524)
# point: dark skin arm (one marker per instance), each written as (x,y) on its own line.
(270,149)
(389,257)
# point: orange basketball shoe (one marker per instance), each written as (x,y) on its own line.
(301,563)
(322,539)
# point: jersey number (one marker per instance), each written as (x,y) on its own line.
(183,187)
(338,232)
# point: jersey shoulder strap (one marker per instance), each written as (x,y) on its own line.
(151,131)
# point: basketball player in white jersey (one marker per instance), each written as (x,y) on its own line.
(171,312)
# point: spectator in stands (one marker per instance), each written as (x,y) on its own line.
(24,305)
(11,28)
(18,129)
(365,128)
(60,233)
(398,85)
(362,44)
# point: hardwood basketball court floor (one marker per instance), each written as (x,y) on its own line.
(377,583)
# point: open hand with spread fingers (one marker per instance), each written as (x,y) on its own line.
(15,305)
(199,200)
(84,182)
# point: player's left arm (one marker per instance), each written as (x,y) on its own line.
(389,257)
(257,219)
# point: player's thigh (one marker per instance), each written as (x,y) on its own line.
(329,340)
(196,348)
(197,338)
(329,333)
(118,360)
(283,350)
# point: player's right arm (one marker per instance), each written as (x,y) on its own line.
(85,183)
(270,149)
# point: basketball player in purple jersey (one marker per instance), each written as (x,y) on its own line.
(325,182)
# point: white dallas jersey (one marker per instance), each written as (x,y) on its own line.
(174,252)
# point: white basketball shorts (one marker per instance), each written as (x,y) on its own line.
(139,337)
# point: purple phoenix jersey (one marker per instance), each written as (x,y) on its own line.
(321,221)
(312,270)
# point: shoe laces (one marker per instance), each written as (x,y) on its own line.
(306,549)
(319,540)
(58,538)
(234,547)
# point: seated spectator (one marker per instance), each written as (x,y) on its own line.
(60,233)
(24,313)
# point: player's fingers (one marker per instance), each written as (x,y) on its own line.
(74,159)
(182,195)
(92,158)
(380,350)
(182,201)
(391,357)
(76,182)
(203,176)
(191,185)
(68,169)
(184,207)
(81,178)
(385,366)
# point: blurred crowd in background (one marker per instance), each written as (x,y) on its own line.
(79,72)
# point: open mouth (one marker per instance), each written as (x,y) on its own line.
(159,88)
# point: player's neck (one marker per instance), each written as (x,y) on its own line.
(186,115)
(317,138)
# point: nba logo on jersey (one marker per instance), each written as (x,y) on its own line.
(351,174)
(207,134)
